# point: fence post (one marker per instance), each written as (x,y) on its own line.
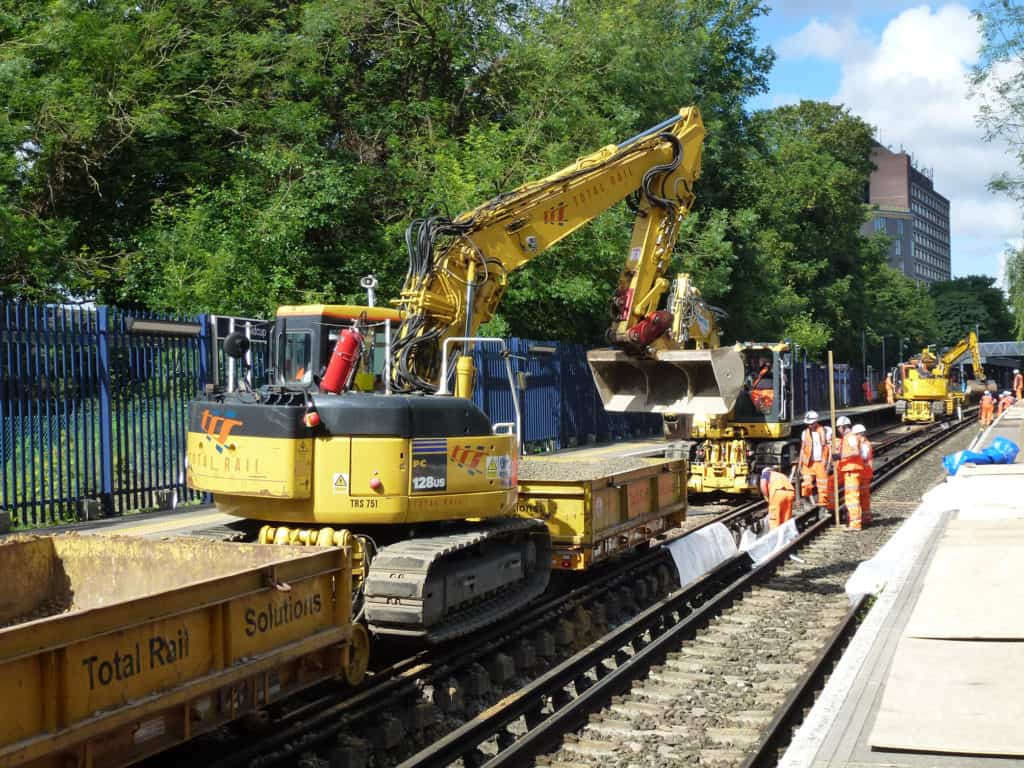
(106,411)
(204,352)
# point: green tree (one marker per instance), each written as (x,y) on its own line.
(1015,288)
(998,84)
(900,308)
(966,303)
(801,271)
(233,156)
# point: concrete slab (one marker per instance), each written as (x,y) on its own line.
(975,585)
(954,697)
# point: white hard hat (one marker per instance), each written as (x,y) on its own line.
(810,417)
(843,421)
(858,429)
(1016,370)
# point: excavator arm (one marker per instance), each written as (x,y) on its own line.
(458,268)
(970,343)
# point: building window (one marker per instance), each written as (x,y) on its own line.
(880,224)
(899,227)
(897,250)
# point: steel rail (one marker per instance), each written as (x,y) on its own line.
(333,712)
(545,733)
(461,743)
(791,714)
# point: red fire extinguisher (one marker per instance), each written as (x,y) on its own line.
(342,366)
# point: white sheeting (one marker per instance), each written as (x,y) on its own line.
(700,551)
(761,547)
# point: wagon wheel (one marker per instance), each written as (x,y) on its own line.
(358,655)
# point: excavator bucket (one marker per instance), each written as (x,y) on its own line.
(699,382)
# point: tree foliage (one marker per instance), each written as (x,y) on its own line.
(233,156)
(998,83)
(1015,288)
(968,303)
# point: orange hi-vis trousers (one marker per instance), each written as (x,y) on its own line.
(814,478)
(985,413)
(780,501)
(866,475)
(852,496)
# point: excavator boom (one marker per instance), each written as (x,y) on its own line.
(458,272)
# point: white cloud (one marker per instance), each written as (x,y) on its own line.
(842,41)
(912,85)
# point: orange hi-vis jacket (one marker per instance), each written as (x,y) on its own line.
(850,457)
(1018,382)
(814,447)
(776,482)
(867,455)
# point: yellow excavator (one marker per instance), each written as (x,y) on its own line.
(419,481)
(926,389)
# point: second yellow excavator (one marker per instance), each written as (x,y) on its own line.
(926,389)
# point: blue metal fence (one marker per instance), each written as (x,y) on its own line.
(92,417)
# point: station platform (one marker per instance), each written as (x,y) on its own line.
(874,415)
(934,673)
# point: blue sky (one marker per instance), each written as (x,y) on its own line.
(902,67)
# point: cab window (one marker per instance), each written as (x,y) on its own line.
(297,348)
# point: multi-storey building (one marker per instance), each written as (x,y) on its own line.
(906,207)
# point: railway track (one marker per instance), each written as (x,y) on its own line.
(430,698)
(713,674)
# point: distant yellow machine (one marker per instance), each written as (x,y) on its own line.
(927,391)
(729,451)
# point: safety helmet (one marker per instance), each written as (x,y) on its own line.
(858,429)
(1016,370)
(810,417)
(766,474)
(843,421)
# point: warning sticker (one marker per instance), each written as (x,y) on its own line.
(429,465)
(339,482)
(634,254)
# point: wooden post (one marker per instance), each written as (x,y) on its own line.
(832,418)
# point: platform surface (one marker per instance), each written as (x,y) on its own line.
(933,676)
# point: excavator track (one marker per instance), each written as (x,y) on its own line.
(445,586)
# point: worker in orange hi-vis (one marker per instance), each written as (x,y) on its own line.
(1018,383)
(869,395)
(890,389)
(815,459)
(1005,401)
(778,491)
(849,465)
(986,408)
(867,455)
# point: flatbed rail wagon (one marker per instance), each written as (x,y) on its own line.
(599,503)
(116,648)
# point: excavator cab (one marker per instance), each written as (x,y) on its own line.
(305,336)
(765,393)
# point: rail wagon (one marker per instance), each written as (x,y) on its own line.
(599,503)
(115,648)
